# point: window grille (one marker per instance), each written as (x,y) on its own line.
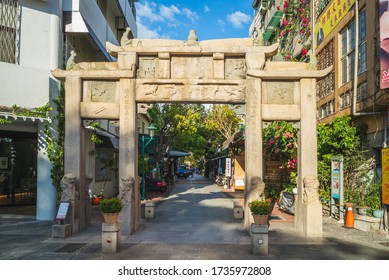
(9,18)
(325,59)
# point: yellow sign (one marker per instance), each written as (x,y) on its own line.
(330,18)
(385,176)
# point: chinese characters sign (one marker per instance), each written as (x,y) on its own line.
(330,18)
(385,176)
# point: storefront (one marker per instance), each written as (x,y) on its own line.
(18,165)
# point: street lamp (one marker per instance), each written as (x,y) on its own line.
(151,129)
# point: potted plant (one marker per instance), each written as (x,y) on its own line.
(111,208)
(374,202)
(260,209)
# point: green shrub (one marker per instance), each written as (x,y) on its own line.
(260,207)
(111,205)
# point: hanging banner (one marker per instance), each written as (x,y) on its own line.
(384,44)
(329,19)
(385,176)
(336,177)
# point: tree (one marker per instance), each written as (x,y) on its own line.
(340,138)
(223,119)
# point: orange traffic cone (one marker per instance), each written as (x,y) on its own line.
(349,216)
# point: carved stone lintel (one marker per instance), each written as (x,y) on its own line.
(172,92)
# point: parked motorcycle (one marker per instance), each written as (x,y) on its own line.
(286,202)
(156,186)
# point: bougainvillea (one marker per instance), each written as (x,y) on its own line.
(295,29)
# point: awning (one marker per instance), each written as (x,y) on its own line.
(274,21)
(114,139)
(7,115)
(173,153)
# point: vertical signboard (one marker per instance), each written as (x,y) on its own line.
(384,44)
(385,176)
(228,167)
(336,177)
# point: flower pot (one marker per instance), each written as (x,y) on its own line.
(378,213)
(363,210)
(111,218)
(260,219)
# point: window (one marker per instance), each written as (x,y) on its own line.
(345,100)
(348,49)
(8,30)
(362,92)
(327,109)
(325,59)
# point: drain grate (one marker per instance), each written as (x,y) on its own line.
(70,248)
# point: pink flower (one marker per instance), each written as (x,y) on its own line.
(271,142)
(278,8)
(287,57)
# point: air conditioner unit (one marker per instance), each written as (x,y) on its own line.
(264,6)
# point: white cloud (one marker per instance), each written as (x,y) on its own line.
(145,32)
(168,12)
(206,9)
(238,18)
(148,11)
(222,24)
(190,14)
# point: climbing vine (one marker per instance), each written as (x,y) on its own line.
(55,143)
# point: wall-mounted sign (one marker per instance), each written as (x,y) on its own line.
(329,19)
(385,176)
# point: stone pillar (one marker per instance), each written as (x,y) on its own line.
(75,148)
(150,210)
(253,142)
(307,158)
(128,153)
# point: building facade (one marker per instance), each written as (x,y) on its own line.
(35,38)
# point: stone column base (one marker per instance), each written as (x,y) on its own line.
(110,238)
(61,231)
(260,239)
(150,210)
(313,219)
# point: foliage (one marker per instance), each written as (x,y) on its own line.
(280,143)
(55,143)
(260,207)
(373,199)
(340,138)
(223,119)
(295,29)
(111,205)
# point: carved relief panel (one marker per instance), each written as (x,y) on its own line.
(280,93)
(235,68)
(100,91)
(192,67)
(147,67)
(194,93)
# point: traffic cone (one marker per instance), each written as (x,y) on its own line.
(349,216)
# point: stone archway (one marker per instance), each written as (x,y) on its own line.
(216,71)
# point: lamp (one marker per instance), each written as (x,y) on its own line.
(151,128)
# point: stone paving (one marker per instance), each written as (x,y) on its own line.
(177,234)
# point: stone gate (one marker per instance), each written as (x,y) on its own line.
(235,71)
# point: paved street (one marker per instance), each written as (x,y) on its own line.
(194,222)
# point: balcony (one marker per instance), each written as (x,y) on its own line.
(273,23)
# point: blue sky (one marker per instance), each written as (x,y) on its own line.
(213,19)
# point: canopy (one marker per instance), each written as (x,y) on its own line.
(173,153)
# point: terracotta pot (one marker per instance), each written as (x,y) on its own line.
(96,200)
(111,218)
(260,219)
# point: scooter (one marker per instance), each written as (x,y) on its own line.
(156,186)
(286,202)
